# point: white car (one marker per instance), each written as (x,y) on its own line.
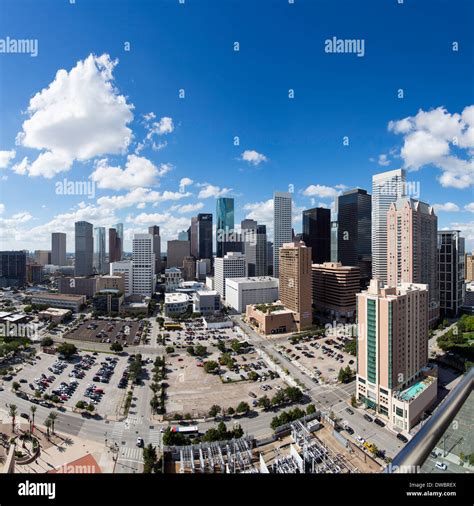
(440,465)
(360,440)
(139,442)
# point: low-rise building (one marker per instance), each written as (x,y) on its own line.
(78,285)
(206,302)
(271,318)
(61,300)
(124,268)
(241,292)
(217,322)
(108,301)
(111,283)
(54,314)
(176,303)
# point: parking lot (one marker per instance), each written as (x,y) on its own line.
(70,380)
(194,333)
(107,331)
(321,357)
(192,390)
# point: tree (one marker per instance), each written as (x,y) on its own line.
(293,394)
(52,416)
(67,349)
(90,407)
(215,410)
(15,386)
(211,366)
(150,459)
(169,349)
(116,346)
(253,376)
(221,346)
(311,409)
(47,424)
(80,405)
(200,350)
(243,407)
(47,341)
(230,411)
(236,345)
(190,350)
(32,421)
(279,398)
(353,401)
(264,402)
(12,412)
(351,347)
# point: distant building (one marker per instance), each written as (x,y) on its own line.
(241,292)
(334,241)
(282,219)
(100,266)
(58,248)
(173,277)
(155,232)
(12,269)
(271,318)
(334,289)
(225,225)
(111,283)
(254,240)
(232,265)
(143,282)
(392,353)
(124,268)
(115,254)
(176,303)
(203,268)
(108,301)
(317,233)
(295,281)
(469,267)
(61,300)
(189,268)
(451,257)
(54,314)
(35,273)
(84,249)
(177,252)
(42,257)
(387,187)
(120,240)
(78,286)
(204,237)
(206,302)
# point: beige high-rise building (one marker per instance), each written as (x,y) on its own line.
(111,282)
(469,267)
(189,268)
(335,287)
(176,253)
(412,242)
(295,281)
(392,352)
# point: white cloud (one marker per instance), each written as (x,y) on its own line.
(321,191)
(79,116)
(21,167)
(469,207)
(467,231)
(169,224)
(441,139)
(383,160)
(6,157)
(209,190)
(449,207)
(189,208)
(163,126)
(139,196)
(138,172)
(253,157)
(185,181)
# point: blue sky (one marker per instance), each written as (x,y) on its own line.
(88,123)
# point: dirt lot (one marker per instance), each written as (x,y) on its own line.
(191,390)
(99,331)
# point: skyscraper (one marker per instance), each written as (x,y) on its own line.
(411,248)
(225,225)
(254,239)
(387,187)
(12,268)
(392,352)
(282,203)
(192,237)
(204,236)
(120,244)
(42,257)
(84,249)
(295,284)
(177,251)
(232,265)
(317,233)
(155,232)
(143,270)
(99,250)
(114,246)
(451,258)
(58,248)
(354,242)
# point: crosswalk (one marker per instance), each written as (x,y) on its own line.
(133,454)
(134,420)
(154,437)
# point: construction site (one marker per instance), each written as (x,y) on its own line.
(302,447)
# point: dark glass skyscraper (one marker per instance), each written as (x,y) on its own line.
(12,268)
(225,225)
(317,233)
(84,248)
(354,246)
(204,236)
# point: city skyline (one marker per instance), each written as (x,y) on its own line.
(165,159)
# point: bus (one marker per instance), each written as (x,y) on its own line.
(186,430)
(173,326)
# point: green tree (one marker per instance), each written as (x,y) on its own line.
(200,350)
(67,349)
(351,347)
(53,417)
(116,346)
(311,409)
(169,349)
(293,394)
(221,346)
(215,410)
(264,402)
(80,404)
(279,398)
(12,413)
(211,366)
(32,419)
(15,386)
(243,408)
(47,341)
(353,401)
(230,411)
(190,350)
(236,345)
(47,424)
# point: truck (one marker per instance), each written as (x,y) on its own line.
(186,430)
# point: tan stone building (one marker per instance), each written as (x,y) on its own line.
(296,281)
(469,267)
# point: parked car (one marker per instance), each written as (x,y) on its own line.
(440,465)
(368,418)
(402,438)
(350,411)
(139,442)
(379,422)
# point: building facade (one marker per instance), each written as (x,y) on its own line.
(317,233)
(282,219)
(78,285)
(100,266)
(58,248)
(240,292)
(124,268)
(387,188)
(295,283)
(84,249)
(155,232)
(451,258)
(225,225)
(12,269)
(143,282)
(232,265)
(392,352)
(354,240)
(177,252)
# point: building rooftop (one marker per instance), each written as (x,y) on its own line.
(64,296)
(171,298)
(253,279)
